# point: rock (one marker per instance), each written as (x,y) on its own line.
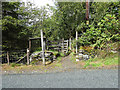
(113,51)
(38,55)
(81,51)
(80,56)
(77,60)
(85,57)
(77,56)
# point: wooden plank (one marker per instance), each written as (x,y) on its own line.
(21,58)
(8,58)
(65,41)
(36,38)
(29,45)
(54,45)
(43,49)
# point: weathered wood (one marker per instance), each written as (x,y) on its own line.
(21,58)
(53,45)
(65,41)
(70,43)
(8,58)
(76,39)
(35,38)
(67,45)
(44,45)
(47,45)
(87,9)
(43,49)
(29,46)
(63,45)
(28,61)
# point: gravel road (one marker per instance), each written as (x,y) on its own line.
(72,79)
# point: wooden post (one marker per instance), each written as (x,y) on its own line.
(87,12)
(67,45)
(70,43)
(42,43)
(29,45)
(47,44)
(8,58)
(28,61)
(63,45)
(76,39)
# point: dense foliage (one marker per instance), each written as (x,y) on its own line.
(20,22)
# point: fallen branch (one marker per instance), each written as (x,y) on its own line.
(21,58)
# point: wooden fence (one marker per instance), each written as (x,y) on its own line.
(60,45)
(23,56)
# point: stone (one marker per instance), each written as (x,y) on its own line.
(77,60)
(113,51)
(85,57)
(81,51)
(80,56)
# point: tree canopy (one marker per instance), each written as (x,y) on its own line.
(20,22)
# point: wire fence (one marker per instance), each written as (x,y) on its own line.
(16,56)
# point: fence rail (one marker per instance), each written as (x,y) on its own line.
(61,45)
(23,56)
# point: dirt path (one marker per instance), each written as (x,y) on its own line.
(67,63)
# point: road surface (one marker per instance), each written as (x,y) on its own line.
(71,79)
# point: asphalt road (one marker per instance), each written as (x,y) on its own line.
(72,79)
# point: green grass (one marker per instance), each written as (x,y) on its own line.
(58,64)
(73,58)
(87,64)
(14,64)
(100,62)
(59,59)
(110,61)
(97,62)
